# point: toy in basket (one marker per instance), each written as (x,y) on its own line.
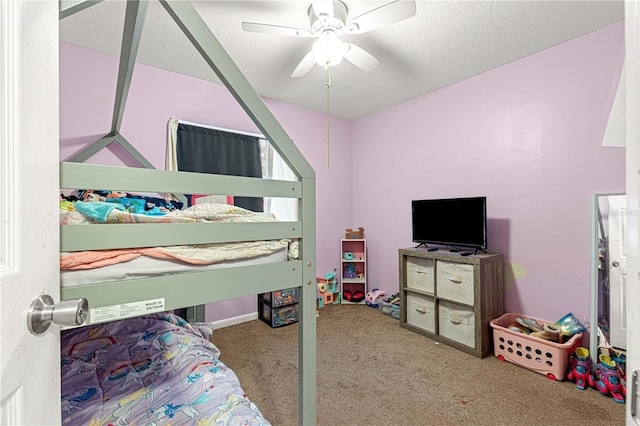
(547,357)
(354,235)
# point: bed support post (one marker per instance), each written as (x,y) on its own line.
(307,352)
(228,72)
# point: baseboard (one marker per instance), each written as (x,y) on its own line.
(234,320)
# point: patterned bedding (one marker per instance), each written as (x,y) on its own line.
(152,370)
(199,254)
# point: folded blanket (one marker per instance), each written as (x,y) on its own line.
(197,254)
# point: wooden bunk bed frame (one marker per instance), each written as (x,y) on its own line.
(189,289)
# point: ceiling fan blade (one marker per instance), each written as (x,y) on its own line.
(384,15)
(304,66)
(360,57)
(322,7)
(275,29)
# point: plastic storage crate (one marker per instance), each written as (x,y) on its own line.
(279,298)
(541,356)
(279,308)
(278,317)
(389,309)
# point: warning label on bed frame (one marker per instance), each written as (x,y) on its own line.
(126,310)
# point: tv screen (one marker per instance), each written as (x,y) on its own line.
(460,222)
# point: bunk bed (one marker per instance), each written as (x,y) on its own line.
(117,300)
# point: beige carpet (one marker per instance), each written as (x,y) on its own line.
(372,372)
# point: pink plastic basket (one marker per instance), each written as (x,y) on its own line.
(541,356)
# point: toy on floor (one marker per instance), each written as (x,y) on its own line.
(608,380)
(374,296)
(580,368)
(394,299)
(620,359)
(328,292)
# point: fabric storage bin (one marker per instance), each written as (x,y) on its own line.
(278,317)
(455,282)
(457,322)
(539,355)
(420,273)
(421,312)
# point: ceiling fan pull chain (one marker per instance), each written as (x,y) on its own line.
(328,116)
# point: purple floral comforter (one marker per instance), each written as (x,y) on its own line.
(151,370)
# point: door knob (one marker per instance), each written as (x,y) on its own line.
(43,312)
(615,263)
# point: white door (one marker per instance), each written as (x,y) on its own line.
(632,92)
(29,365)
(618,270)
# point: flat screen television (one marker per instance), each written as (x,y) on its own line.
(457,222)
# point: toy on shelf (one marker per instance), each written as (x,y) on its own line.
(356,297)
(349,271)
(354,235)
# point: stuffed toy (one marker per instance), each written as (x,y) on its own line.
(92,196)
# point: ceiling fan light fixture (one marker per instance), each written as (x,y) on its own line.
(328,50)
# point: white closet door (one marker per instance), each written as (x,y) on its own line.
(29,265)
(618,271)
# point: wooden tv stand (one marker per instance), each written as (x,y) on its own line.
(451,298)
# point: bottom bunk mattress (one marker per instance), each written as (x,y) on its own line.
(151,370)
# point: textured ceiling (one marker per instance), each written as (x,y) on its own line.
(444,43)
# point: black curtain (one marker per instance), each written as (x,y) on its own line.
(214,151)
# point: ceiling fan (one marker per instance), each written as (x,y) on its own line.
(329,19)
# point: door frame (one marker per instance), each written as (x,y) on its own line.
(632,127)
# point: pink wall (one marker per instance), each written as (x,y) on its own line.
(87,92)
(528,136)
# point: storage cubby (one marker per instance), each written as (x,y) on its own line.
(353,258)
(451,298)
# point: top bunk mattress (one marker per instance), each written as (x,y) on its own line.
(136,260)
